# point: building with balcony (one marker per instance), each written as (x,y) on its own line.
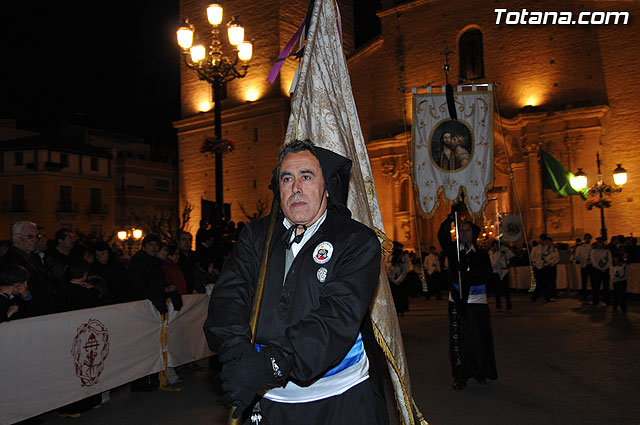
(91,181)
(56,183)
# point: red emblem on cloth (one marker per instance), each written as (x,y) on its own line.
(89,351)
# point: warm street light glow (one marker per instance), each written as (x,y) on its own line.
(245,50)
(532,100)
(137,233)
(236,32)
(122,235)
(214,14)
(579,180)
(218,69)
(204,106)
(252,95)
(197,53)
(185,36)
(599,191)
(620,175)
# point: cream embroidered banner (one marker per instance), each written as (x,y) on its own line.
(453,156)
(323,110)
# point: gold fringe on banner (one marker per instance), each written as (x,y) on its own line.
(407,398)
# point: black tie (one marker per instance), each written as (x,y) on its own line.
(289,232)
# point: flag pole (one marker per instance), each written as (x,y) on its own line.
(544,206)
(257,295)
(455,214)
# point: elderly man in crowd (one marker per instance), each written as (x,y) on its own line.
(24,242)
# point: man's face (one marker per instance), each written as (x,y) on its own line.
(102,257)
(151,248)
(446,139)
(302,194)
(26,239)
(67,243)
(587,239)
(184,242)
(466,233)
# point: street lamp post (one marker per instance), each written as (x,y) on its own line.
(129,237)
(217,69)
(601,189)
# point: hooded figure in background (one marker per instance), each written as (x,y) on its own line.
(314,348)
(470,337)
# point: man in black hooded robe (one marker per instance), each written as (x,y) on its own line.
(314,333)
(470,337)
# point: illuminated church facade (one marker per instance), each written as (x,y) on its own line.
(569,89)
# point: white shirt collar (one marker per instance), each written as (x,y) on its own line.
(295,247)
(468,248)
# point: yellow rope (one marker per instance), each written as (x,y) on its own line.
(164,343)
(408,400)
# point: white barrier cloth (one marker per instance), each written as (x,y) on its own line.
(51,361)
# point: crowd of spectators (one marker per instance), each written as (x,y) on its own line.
(40,276)
(604,269)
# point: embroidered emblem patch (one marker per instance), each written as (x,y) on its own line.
(322,274)
(323,252)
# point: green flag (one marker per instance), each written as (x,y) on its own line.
(556,177)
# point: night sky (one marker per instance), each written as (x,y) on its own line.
(92,64)
(111,65)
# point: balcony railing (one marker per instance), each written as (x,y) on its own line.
(67,207)
(101,209)
(14,207)
(53,166)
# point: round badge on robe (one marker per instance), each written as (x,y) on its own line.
(323,252)
(321,274)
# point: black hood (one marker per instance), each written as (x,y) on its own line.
(335,170)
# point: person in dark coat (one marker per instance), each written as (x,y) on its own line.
(59,258)
(188,258)
(78,293)
(314,330)
(15,298)
(42,286)
(398,266)
(203,274)
(114,274)
(471,341)
(147,278)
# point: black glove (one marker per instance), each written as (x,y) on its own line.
(244,373)
(235,352)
